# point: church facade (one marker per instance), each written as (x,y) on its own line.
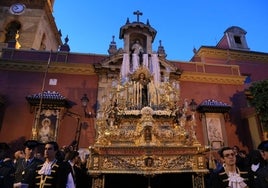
(132,112)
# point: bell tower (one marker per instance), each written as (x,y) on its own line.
(28,25)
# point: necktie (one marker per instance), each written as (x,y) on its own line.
(27,162)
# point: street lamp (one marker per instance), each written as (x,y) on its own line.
(193,105)
(84,102)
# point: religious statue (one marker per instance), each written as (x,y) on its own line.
(112,112)
(144,89)
(137,48)
(147,134)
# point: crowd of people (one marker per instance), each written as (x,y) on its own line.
(239,169)
(56,168)
(63,168)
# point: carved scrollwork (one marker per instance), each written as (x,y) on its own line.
(159,163)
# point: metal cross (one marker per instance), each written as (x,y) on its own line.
(138,13)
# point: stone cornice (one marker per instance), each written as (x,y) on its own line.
(212,78)
(232,54)
(65,68)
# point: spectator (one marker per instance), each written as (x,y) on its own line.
(263,171)
(229,175)
(18,155)
(240,157)
(83,177)
(69,170)
(26,167)
(7,169)
(254,163)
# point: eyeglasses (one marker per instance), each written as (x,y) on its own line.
(229,154)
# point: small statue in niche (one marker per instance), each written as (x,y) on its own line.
(137,50)
(149,161)
(144,83)
(111,120)
(178,114)
(112,112)
(147,134)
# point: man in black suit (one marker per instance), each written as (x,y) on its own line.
(48,173)
(263,171)
(6,167)
(229,175)
(26,167)
(69,169)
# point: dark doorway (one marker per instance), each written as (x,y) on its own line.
(141,181)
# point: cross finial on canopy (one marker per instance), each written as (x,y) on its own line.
(138,13)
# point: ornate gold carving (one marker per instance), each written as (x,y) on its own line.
(198,180)
(155,163)
(98,182)
(145,138)
(141,70)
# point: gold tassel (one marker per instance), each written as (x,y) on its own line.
(211,163)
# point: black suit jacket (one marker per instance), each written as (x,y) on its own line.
(219,179)
(26,173)
(65,169)
(52,180)
(6,174)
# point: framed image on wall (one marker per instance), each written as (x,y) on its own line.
(47,125)
(214,132)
